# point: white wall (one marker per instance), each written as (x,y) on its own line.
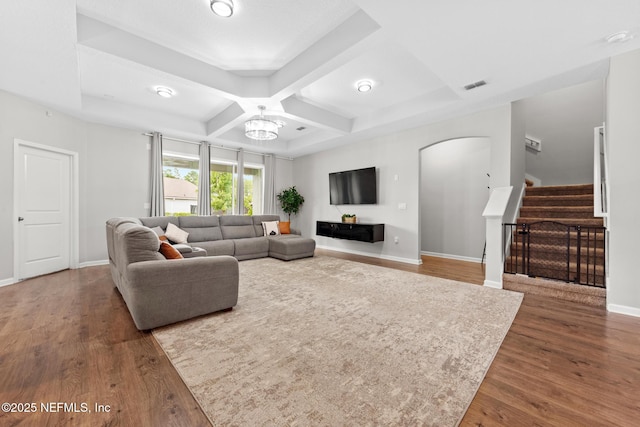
(517,161)
(397,154)
(623,136)
(114,172)
(453,194)
(564,120)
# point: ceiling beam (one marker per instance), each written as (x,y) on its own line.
(111,40)
(316,116)
(336,48)
(226,120)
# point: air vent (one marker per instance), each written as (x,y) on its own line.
(475,85)
(301,128)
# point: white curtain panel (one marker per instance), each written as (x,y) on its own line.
(157,184)
(269,184)
(240,210)
(204,192)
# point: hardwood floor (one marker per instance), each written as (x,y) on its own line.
(68,338)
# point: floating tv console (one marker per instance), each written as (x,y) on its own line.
(361,232)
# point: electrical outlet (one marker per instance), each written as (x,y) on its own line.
(396,240)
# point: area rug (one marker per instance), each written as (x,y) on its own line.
(327,342)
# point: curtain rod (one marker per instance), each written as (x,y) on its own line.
(216,146)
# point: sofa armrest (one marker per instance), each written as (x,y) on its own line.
(162,273)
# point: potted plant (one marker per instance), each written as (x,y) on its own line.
(290,201)
(349,218)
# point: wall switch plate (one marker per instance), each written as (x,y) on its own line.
(147,205)
(402,206)
(534,144)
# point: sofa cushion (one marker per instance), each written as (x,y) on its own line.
(169,252)
(218,247)
(159,221)
(160,232)
(270,228)
(176,234)
(201,228)
(136,243)
(259,219)
(288,247)
(183,248)
(251,247)
(237,227)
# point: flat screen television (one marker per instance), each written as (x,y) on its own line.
(354,187)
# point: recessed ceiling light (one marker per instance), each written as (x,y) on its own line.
(619,37)
(364,86)
(164,91)
(222,8)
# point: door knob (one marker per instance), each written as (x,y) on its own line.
(20,219)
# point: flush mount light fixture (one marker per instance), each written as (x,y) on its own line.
(261,128)
(619,37)
(222,8)
(364,85)
(164,91)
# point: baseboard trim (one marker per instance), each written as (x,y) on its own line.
(369,254)
(93,263)
(7,282)
(449,256)
(492,284)
(11,281)
(623,309)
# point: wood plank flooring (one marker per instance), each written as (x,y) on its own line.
(68,338)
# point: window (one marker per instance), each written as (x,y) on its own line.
(181,175)
(253,189)
(224,188)
(180,184)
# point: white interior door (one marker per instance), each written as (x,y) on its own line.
(43,204)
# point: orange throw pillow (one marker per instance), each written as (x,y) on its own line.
(169,252)
(284,227)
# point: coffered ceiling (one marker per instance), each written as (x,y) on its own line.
(101,60)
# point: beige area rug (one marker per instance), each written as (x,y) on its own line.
(328,342)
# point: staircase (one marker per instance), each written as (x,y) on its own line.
(556,224)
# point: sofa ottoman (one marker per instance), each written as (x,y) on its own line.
(286,249)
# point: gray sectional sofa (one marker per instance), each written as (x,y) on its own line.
(158,291)
(239,236)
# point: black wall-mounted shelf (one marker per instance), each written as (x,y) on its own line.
(361,232)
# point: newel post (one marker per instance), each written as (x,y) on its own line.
(494,214)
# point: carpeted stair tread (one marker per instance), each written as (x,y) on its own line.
(593,276)
(558,237)
(588,295)
(559,265)
(595,222)
(541,248)
(558,190)
(566,200)
(557,211)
